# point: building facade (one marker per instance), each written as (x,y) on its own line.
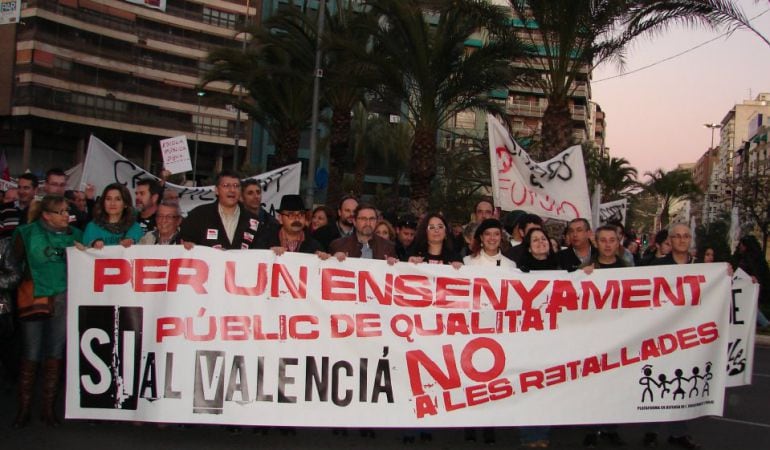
(127,72)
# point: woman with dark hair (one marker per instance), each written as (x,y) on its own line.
(114,220)
(486,248)
(539,254)
(750,257)
(322,215)
(432,243)
(41,249)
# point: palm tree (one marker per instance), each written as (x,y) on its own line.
(571,37)
(616,176)
(418,56)
(274,71)
(568,37)
(669,187)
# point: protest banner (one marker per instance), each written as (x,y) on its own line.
(743,319)
(103,166)
(247,337)
(176,154)
(554,189)
(10,11)
(7,184)
(613,212)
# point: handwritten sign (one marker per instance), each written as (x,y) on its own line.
(176,154)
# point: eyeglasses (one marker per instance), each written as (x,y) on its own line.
(680,236)
(165,217)
(438,227)
(293,215)
(230,185)
(63,212)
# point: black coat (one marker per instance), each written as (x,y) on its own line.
(203,226)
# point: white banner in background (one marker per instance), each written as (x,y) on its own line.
(10,11)
(103,166)
(247,337)
(614,212)
(743,320)
(554,189)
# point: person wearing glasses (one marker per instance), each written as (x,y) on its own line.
(363,243)
(224,224)
(432,245)
(114,220)
(168,217)
(41,248)
(292,236)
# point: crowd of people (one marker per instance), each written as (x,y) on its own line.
(38,223)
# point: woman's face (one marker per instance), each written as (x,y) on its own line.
(319,219)
(490,240)
(708,255)
(113,203)
(436,231)
(665,247)
(382,231)
(538,245)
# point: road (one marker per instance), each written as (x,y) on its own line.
(745,425)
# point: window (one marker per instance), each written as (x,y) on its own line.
(220,18)
(465,119)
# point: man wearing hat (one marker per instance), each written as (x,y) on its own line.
(291,236)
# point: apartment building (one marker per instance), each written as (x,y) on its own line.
(127,72)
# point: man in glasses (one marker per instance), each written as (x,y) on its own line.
(168,217)
(363,243)
(292,235)
(223,224)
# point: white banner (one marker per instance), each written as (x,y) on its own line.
(247,337)
(10,11)
(7,184)
(554,189)
(103,166)
(614,212)
(743,320)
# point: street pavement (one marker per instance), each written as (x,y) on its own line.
(745,425)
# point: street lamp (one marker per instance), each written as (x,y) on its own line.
(197,124)
(713,127)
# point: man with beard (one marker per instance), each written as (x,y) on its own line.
(148,194)
(251,196)
(363,243)
(342,227)
(406,230)
(292,236)
(223,224)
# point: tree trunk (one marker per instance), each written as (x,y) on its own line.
(286,149)
(359,173)
(557,129)
(422,169)
(338,151)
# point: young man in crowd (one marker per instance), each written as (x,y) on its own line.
(580,252)
(342,227)
(14,213)
(406,230)
(251,197)
(148,193)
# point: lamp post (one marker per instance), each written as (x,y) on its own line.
(197,124)
(713,126)
(314,118)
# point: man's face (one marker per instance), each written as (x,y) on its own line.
(26,191)
(252,197)
(365,222)
(293,221)
(229,191)
(144,200)
(167,220)
(578,234)
(680,239)
(80,201)
(484,210)
(608,244)
(405,235)
(346,213)
(55,185)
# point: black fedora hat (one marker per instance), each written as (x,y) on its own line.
(292,202)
